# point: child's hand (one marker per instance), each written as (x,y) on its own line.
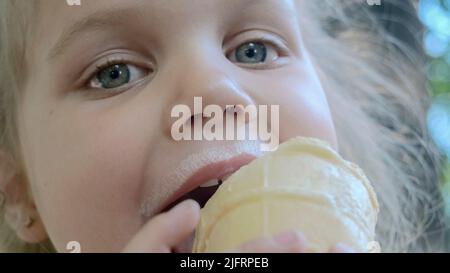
(169,231)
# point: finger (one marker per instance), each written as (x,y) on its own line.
(167,230)
(290,241)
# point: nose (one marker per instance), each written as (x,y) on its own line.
(211,80)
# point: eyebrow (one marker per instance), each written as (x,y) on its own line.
(94,22)
(108,19)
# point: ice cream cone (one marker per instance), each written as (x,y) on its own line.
(304,185)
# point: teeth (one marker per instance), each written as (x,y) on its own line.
(215,181)
(210,183)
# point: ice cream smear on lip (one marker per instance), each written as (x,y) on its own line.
(304,185)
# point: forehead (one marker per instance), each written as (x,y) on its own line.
(60,23)
(63,13)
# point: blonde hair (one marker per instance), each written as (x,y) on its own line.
(375,87)
(16,21)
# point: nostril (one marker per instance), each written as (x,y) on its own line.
(234,109)
(230,109)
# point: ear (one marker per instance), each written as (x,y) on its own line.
(19,207)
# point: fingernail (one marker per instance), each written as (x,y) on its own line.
(287,238)
(186,204)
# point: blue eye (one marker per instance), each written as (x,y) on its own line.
(252,53)
(114,76)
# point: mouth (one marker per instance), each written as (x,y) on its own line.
(205,181)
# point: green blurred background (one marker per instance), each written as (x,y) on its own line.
(435,15)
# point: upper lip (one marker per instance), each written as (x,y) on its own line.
(213,170)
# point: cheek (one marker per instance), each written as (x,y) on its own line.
(87,176)
(306,112)
(304,109)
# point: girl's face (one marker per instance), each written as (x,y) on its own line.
(95,119)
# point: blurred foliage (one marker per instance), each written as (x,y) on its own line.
(439,76)
(435,15)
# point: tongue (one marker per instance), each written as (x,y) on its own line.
(201,195)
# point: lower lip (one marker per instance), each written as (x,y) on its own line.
(214,170)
